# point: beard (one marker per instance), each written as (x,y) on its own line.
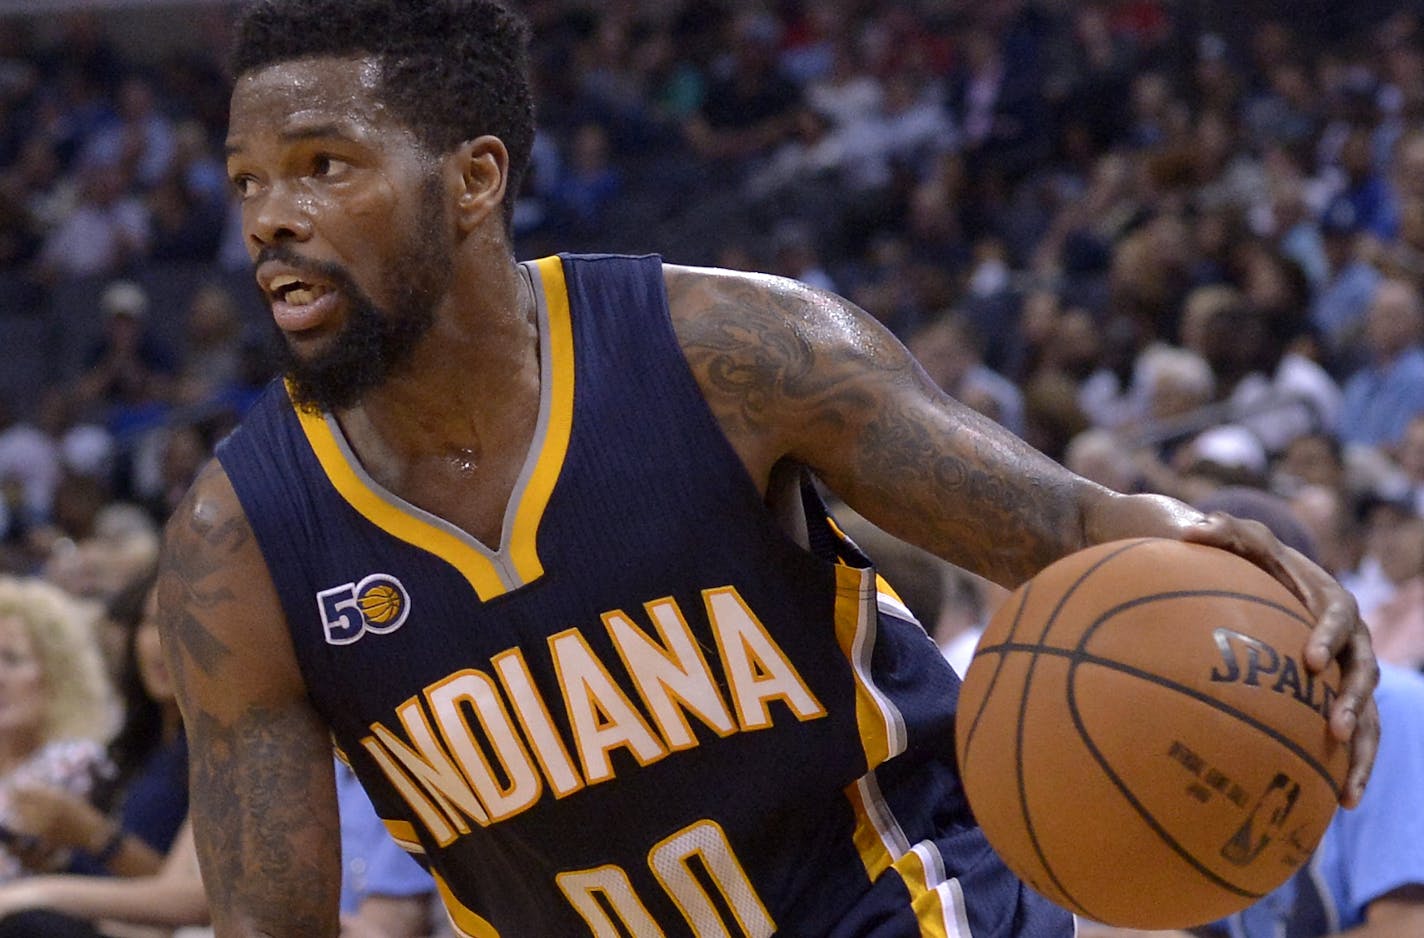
(374,344)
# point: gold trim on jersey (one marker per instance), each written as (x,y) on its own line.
(936,899)
(516,563)
(403,833)
(882,728)
(523,544)
(867,837)
(468,924)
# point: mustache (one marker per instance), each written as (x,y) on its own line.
(334,273)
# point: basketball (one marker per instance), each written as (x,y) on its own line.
(380,603)
(1140,739)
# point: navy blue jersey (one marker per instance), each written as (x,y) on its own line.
(648,710)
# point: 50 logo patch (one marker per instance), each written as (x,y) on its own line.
(378,603)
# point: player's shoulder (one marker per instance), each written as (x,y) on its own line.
(700,292)
(210,523)
(765,315)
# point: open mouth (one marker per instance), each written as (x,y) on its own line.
(300,305)
(297,292)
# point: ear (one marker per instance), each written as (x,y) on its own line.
(480,171)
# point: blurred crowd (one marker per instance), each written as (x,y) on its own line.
(1178,246)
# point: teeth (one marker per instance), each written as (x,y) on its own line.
(282,282)
(303,296)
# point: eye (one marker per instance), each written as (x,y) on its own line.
(324,166)
(243,185)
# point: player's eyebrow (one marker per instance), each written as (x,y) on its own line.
(313,132)
(291,135)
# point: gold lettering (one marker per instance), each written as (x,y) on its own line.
(538,726)
(431,766)
(478,691)
(672,677)
(602,716)
(431,816)
(757,670)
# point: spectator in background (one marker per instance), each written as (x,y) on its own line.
(794,255)
(998,106)
(58,709)
(1276,398)
(1382,397)
(951,353)
(129,822)
(1225,455)
(1338,309)
(1330,521)
(384,893)
(139,141)
(212,355)
(1172,384)
(1367,875)
(1365,188)
(117,545)
(201,171)
(128,373)
(107,229)
(71,906)
(182,226)
(749,106)
(29,474)
(1310,459)
(1394,539)
(1099,455)
(849,92)
(1411,460)
(590,183)
(180,449)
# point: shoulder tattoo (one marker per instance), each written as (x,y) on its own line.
(201,539)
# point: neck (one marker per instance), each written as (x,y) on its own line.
(478,366)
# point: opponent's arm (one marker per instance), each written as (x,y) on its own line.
(793,373)
(262,799)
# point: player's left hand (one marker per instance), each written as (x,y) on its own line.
(1339,634)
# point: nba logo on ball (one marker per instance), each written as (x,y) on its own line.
(1140,740)
(378,603)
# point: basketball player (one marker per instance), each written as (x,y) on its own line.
(535,544)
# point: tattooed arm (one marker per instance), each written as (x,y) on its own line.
(263,799)
(799,376)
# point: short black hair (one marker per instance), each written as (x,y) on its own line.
(452,70)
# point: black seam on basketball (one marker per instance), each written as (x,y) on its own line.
(1076,658)
(1137,805)
(1212,702)
(1082,656)
(993,680)
(1023,707)
(1079,656)
(1141,600)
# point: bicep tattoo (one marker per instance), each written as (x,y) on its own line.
(200,541)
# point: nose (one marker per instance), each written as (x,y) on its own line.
(276,215)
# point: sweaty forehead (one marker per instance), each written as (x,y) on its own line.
(324,90)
